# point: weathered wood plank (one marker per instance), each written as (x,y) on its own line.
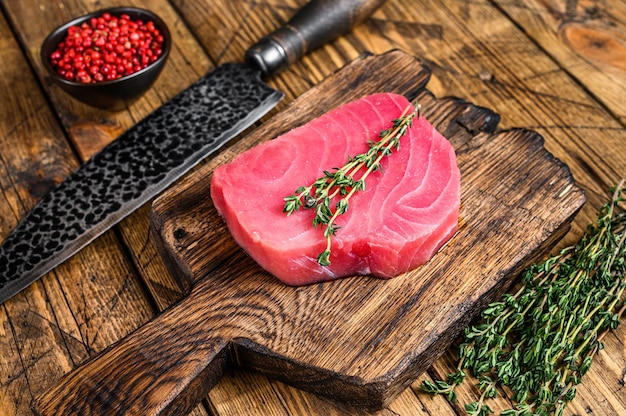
(356,340)
(226,29)
(588,37)
(465,41)
(479,54)
(105,300)
(71,313)
(91,129)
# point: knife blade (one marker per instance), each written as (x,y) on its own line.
(158,150)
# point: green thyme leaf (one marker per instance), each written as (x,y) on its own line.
(344,182)
(540,341)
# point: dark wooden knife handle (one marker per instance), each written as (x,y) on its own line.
(318,22)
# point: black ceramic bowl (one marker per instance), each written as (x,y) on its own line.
(116,94)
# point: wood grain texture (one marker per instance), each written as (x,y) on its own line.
(193,254)
(360,340)
(226,29)
(90,129)
(96,297)
(586,36)
(477,52)
(507,56)
(60,321)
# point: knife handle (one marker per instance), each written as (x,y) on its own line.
(318,22)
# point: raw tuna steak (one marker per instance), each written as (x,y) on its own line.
(406,213)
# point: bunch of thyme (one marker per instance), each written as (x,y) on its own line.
(540,341)
(342,183)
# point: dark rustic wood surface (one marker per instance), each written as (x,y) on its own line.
(359,341)
(555,67)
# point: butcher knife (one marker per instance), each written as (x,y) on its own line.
(155,152)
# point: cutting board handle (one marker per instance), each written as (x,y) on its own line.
(165,367)
(318,22)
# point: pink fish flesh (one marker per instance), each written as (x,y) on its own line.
(407,212)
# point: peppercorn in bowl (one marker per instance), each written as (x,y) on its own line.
(109,58)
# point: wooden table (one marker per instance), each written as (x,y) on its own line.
(557,67)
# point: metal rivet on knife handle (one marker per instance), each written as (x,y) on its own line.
(315,24)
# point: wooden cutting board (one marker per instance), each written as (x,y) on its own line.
(359,340)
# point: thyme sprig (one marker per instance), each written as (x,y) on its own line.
(540,341)
(341,184)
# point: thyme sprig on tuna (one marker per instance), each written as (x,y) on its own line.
(328,195)
(541,340)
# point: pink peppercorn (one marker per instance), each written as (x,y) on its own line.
(106,48)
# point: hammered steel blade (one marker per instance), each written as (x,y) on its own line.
(166,144)
(131,170)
